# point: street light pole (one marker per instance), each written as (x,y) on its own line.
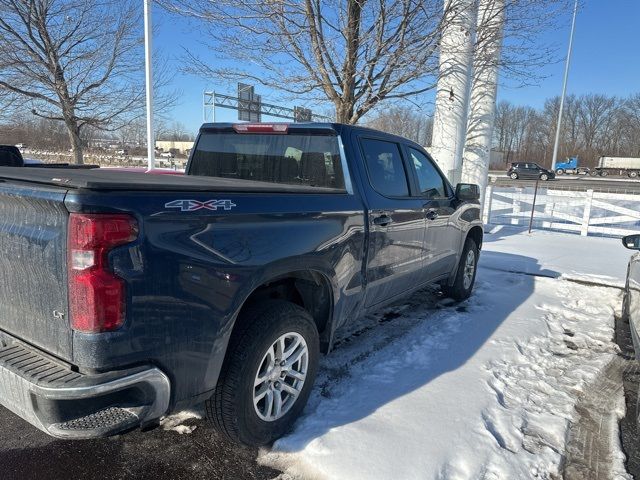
(148,51)
(564,87)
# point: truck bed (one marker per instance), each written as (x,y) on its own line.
(111,179)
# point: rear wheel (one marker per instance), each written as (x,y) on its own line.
(604,173)
(268,374)
(625,305)
(466,273)
(633,174)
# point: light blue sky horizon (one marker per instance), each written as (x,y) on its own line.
(606,60)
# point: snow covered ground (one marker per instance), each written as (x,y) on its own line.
(481,390)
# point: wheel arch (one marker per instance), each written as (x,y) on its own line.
(476,233)
(309,288)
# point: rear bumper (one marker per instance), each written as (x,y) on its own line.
(67,404)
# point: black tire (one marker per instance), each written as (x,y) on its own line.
(625,305)
(544,177)
(458,291)
(560,171)
(633,174)
(231,409)
(513,176)
(604,173)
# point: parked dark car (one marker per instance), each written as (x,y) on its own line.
(528,171)
(128,296)
(10,156)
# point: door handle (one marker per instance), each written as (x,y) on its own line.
(432,214)
(382,220)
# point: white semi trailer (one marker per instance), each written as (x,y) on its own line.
(629,166)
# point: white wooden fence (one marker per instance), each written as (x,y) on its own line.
(605,213)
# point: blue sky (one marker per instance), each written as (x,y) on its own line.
(606,59)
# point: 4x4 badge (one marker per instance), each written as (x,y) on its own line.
(193,205)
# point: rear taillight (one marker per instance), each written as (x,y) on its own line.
(97,297)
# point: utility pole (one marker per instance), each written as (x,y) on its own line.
(148,59)
(564,88)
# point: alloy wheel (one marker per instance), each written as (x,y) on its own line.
(280,376)
(469,269)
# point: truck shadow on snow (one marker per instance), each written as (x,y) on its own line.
(386,356)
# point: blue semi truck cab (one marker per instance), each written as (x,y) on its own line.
(571,166)
(127,296)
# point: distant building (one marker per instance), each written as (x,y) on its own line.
(175,146)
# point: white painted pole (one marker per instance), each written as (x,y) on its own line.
(148,60)
(482,109)
(564,87)
(454,83)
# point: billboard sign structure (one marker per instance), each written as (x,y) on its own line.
(249,104)
(251,108)
(301,114)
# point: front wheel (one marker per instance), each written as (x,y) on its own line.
(560,171)
(514,176)
(268,374)
(466,273)
(544,177)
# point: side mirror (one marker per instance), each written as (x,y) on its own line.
(632,242)
(467,192)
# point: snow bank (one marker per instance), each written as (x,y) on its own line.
(485,389)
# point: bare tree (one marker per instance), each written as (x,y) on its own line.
(36,132)
(404,121)
(526,45)
(75,61)
(596,125)
(177,132)
(352,53)
(628,125)
(511,128)
(595,113)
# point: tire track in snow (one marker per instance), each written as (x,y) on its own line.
(557,382)
(593,444)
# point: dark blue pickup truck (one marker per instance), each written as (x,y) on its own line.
(128,296)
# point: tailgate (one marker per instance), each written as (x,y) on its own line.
(33,277)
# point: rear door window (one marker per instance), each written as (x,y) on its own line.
(293,159)
(386,170)
(430,181)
